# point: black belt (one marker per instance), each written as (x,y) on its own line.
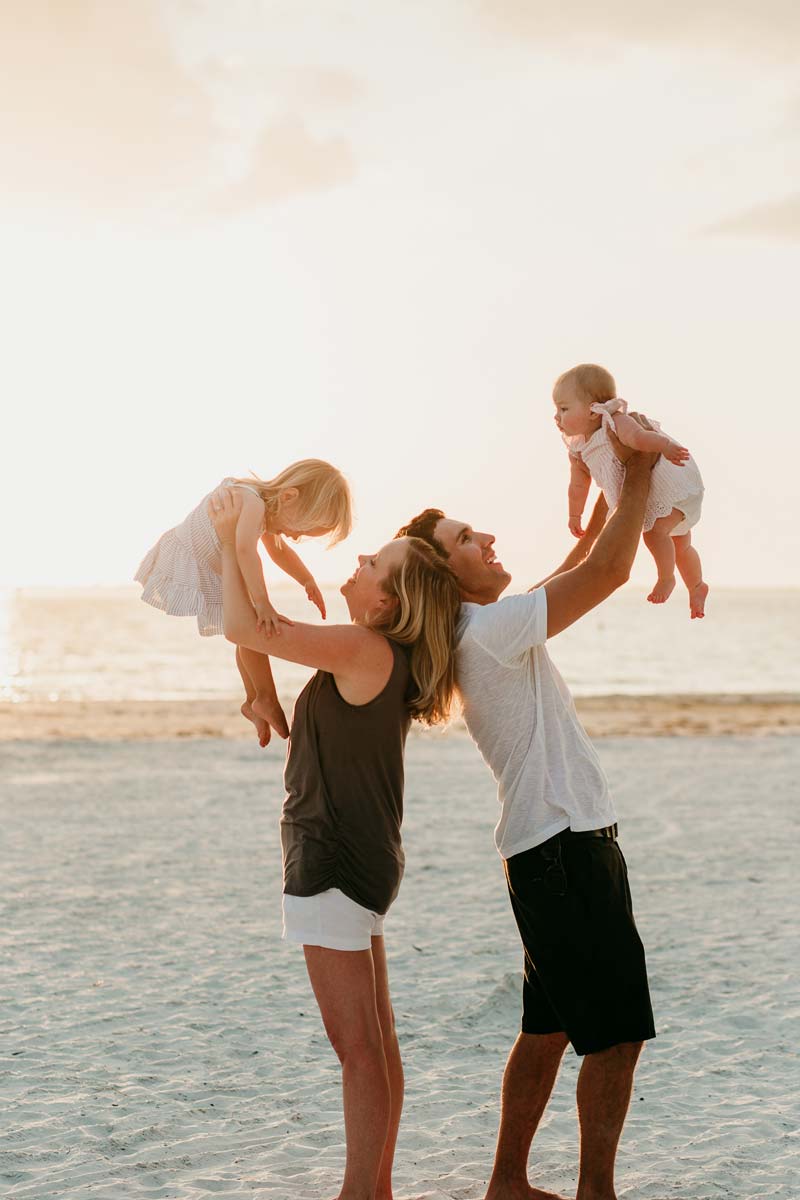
(609,833)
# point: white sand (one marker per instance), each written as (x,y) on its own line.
(158,1040)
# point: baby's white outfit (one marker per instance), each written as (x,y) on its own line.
(671,486)
(182,574)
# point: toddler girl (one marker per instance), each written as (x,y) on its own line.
(181,574)
(587,406)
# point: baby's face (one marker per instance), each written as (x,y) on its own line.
(573,414)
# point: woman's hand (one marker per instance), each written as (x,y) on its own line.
(315,596)
(223,508)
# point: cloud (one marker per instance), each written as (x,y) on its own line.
(288,160)
(768,26)
(778,219)
(99,115)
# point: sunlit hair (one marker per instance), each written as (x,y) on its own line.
(424,526)
(592,384)
(425,620)
(323,496)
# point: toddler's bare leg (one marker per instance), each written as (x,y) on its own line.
(262,727)
(688,563)
(659,543)
(265,703)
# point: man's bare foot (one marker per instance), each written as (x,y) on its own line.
(697,600)
(262,728)
(662,590)
(269,709)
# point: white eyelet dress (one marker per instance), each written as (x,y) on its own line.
(671,486)
(181,575)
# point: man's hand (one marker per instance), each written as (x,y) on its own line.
(625,453)
(223,508)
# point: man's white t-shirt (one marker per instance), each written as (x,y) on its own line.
(520,714)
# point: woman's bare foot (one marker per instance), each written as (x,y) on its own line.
(662,590)
(697,600)
(262,728)
(269,709)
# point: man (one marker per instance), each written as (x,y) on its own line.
(585,979)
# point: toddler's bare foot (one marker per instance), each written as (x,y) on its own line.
(662,590)
(697,600)
(262,728)
(269,709)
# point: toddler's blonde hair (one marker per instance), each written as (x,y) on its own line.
(594,385)
(323,496)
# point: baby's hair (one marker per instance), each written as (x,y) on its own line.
(593,384)
(323,496)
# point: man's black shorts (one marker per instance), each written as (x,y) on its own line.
(585,972)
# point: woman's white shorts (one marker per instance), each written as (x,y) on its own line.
(330,919)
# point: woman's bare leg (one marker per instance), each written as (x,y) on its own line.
(394,1065)
(265,703)
(344,985)
(688,563)
(262,727)
(659,542)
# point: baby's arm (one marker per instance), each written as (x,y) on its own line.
(284,557)
(632,434)
(248,531)
(579,481)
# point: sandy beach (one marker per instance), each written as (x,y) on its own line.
(159,1040)
(603,716)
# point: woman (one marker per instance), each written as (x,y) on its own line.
(340,828)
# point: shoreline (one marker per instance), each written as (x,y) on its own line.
(603,716)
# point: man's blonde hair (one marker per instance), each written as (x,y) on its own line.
(594,385)
(323,496)
(424,619)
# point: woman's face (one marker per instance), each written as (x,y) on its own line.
(363,591)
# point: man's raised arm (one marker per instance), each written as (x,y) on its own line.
(582,547)
(571,593)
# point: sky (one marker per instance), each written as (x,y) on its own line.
(236,235)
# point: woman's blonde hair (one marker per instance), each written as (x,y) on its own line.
(323,496)
(594,384)
(425,618)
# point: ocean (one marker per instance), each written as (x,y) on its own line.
(104,644)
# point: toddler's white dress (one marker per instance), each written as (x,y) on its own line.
(181,575)
(671,486)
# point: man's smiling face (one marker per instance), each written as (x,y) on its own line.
(480,573)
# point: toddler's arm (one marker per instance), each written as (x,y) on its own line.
(248,531)
(289,561)
(632,434)
(579,481)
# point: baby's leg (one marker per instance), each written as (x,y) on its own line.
(659,542)
(687,561)
(262,727)
(265,703)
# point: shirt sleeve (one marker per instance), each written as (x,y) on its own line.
(510,627)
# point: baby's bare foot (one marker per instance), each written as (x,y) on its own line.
(662,590)
(697,600)
(262,728)
(269,709)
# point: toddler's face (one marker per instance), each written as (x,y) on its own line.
(573,415)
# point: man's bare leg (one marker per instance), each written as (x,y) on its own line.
(604,1093)
(528,1080)
(262,728)
(265,703)
(688,563)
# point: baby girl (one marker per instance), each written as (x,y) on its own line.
(587,407)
